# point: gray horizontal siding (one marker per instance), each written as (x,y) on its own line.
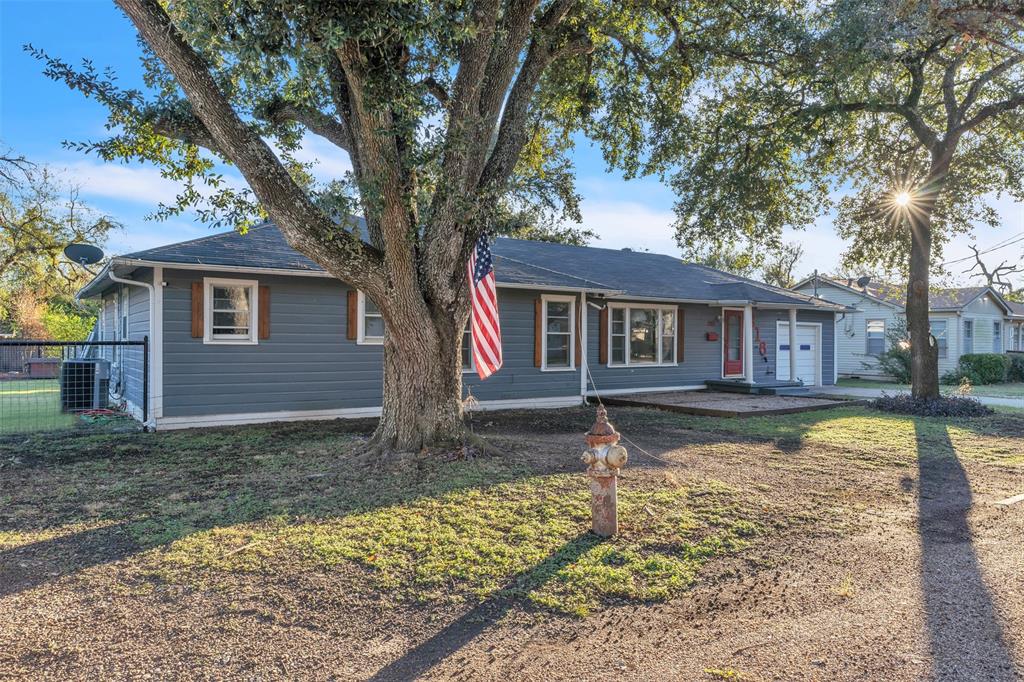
(702,359)
(519,378)
(767,326)
(309,364)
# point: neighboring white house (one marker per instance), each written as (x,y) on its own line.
(965,320)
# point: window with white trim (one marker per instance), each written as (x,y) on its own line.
(371,321)
(230,311)
(875,332)
(968,343)
(938,330)
(467,348)
(642,335)
(997,337)
(559,333)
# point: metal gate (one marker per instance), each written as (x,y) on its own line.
(60,385)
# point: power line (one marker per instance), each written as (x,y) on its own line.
(995,247)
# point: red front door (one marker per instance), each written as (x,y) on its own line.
(732,340)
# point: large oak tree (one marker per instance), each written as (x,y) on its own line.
(911,109)
(456,115)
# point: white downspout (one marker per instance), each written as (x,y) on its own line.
(748,345)
(583,346)
(151,422)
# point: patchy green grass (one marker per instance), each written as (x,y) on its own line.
(196,509)
(872,438)
(29,405)
(199,507)
(1009,390)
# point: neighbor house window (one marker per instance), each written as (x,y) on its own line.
(371,322)
(467,349)
(876,337)
(230,315)
(997,337)
(642,335)
(968,345)
(941,339)
(559,332)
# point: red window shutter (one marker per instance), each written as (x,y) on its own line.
(538,331)
(197,310)
(680,334)
(602,354)
(264,322)
(352,331)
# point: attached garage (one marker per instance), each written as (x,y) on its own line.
(808,352)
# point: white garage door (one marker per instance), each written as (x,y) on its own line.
(808,354)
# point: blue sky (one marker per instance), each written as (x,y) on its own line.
(37,114)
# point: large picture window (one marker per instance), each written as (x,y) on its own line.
(876,337)
(559,332)
(230,315)
(642,335)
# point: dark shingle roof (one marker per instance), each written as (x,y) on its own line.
(517,262)
(1016,308)
(939,299)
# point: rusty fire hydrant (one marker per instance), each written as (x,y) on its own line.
(604,457)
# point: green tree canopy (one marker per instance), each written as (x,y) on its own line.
(903,116)
(457,115)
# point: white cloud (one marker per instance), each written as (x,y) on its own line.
(135,184)
(621,224)
(330,163)
(132,184)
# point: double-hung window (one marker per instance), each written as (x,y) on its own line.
(371,321)
(559,333)
(968,344)
(875,337)
(642,335)
(230,315)
(997,337)
(938,330)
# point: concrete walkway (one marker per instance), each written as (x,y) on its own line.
(877,393)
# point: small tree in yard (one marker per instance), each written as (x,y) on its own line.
(455,114)
(39,217)
(914,106)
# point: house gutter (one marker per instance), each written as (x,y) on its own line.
(151,422)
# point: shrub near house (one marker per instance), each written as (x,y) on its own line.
(986,368)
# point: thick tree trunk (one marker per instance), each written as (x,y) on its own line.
(924,354)
(422,385)
(924,351)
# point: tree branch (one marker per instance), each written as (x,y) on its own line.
(307,228)
(975,90)
(989,111)
(280,111)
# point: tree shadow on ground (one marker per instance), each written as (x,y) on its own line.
(965,634)
(93,500)
(450,639)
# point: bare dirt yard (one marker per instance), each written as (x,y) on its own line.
(837,545)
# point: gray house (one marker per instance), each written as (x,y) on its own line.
(244,329)
(963,320)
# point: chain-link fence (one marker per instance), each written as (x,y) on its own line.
(58,385)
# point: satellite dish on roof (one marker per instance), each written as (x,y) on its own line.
(83,254)
(863,282)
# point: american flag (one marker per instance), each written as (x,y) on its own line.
(486,332)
